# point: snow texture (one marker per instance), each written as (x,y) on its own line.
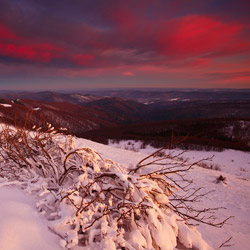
(233,196)
(6,105)
(21,227)
(88,209)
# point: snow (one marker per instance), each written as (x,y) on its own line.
(63,129)
(173,99)
(234,196)
(6,105)
(36,109)
(20,218)
(147,103)
(191,239)
(230,161)
(21,227)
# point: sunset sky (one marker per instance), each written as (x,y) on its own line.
(59,44)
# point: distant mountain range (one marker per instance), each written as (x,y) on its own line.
(141,95)
(91,110)
(49,96)
(198,134)
(159,95)
(130,106)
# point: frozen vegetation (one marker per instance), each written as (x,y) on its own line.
(77,194)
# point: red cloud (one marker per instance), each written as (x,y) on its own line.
(124,18)
(189,41)
(33,52)
(6,33)
(18,47)
(82,59)
(200,35)
(128,73)
(230,79)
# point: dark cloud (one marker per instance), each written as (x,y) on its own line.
(226,75)
(115,33)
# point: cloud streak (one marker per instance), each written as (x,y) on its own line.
(111,37)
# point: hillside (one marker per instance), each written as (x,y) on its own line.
(65,117)
(177,110)
(130,106)
(203,134)
(210,118)
(120,111)
(49,96)
(145,95)
(235,191)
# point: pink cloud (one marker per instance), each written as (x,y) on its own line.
(128,73)
(33,52)
(200,35)
(6,33)
(82,59)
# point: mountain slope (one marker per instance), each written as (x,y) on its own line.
(140,106)
(233,196)
(120,111)
(155,95)
(75,118)
(201,133)
(50,96)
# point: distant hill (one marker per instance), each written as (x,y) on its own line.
(150,116)
(131,106)
(155,95)
(198,109)
(120,111)
(60,114)
(50,96)
(209,134)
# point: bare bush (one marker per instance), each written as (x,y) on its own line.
(212,166)
(95,202)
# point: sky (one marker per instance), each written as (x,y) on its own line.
(63,44)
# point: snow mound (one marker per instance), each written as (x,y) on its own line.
(21,227)
(94,203)
(36,109)
(6,105)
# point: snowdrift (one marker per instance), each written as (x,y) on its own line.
(96,203)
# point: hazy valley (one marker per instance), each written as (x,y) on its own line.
(210,119)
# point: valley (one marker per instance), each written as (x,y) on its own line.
(209,119)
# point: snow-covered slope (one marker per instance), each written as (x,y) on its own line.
(234,196)
(227,161)
(21,228)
